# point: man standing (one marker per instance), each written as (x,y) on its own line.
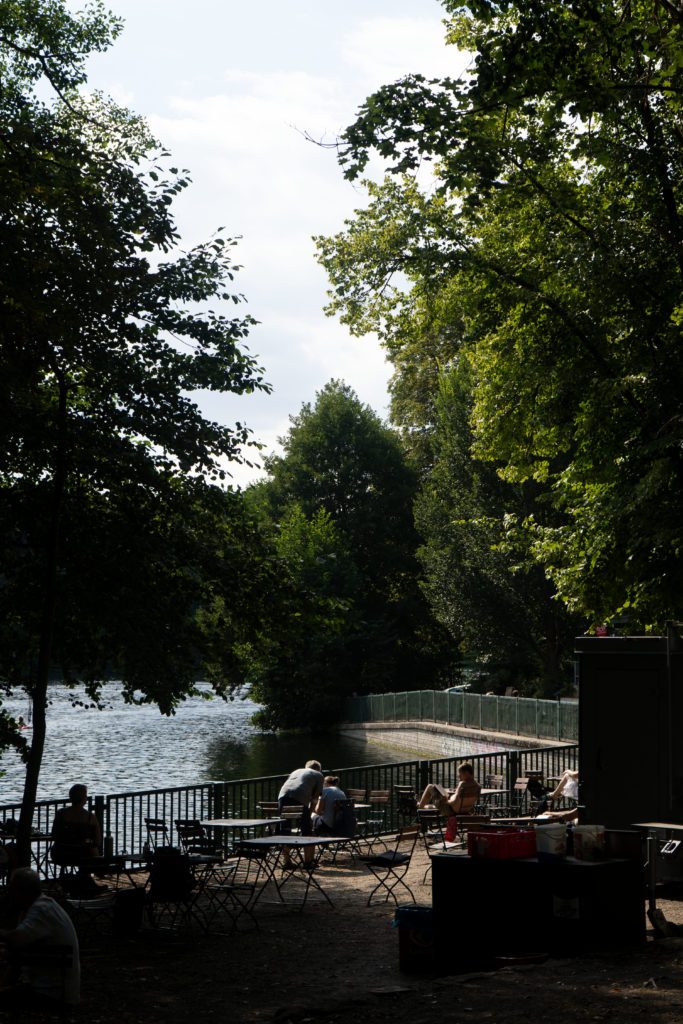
(302,788)
(41,922)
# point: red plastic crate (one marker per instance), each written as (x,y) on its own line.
(503,845)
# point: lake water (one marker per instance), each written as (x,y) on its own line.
(124,747)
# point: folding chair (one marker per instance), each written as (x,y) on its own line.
(493,803)
(391,867)
(157,832)
(226,894)
(194,840)
(173,889)
(406,800)
(92,917)
(346,825)
(431,825)
(379,798)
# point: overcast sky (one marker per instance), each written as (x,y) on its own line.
(229,87)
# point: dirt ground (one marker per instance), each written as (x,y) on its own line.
(340,964)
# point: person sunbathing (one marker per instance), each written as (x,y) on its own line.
(461,800)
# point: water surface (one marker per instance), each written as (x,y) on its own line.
(125,747)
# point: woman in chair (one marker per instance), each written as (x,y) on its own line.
(326,807)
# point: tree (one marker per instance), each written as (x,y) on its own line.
(300,666)
(107,464)
(553,231)
(488,591)
(339,499)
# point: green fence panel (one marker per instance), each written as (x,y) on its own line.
(472,710)
(547,719)
(376,707)
(414,705)
(440,706)
(427,705)
(547,712)
(489,713)
(569,720)
(508,709)
(527,717)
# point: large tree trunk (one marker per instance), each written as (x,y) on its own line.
(39,690)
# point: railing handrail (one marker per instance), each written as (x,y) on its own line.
(123,814)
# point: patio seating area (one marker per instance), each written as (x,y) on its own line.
(160,975)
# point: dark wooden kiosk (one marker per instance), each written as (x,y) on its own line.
(631,762)
(485,909)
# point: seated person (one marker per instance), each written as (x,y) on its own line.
(448,802)
(326,809)
(40,921)
(567,787)
(77,837)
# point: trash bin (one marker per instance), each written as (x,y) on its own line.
(415,939)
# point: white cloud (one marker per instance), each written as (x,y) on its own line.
(384,49)
(239,129)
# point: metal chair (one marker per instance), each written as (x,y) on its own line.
(194,840)
(380,799)
(173,888)
(391,866)
(158,833)
(493,803)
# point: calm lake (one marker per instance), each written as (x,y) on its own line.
(124,748)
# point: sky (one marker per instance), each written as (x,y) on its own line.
(230,89)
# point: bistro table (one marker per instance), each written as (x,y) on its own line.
(489,795)
(273,847)
(240,825)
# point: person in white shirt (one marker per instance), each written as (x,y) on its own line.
(40,922)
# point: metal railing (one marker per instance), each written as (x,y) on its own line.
(520,716)
(123,814)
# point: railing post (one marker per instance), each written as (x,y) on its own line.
(217,800)
(497,714)
(422,776)
(512,774)
(536,714)
(101,812)
(517,715)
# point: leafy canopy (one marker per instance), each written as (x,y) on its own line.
(550,251)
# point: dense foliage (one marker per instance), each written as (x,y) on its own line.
(351,617)
(115,533)
(547,255)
